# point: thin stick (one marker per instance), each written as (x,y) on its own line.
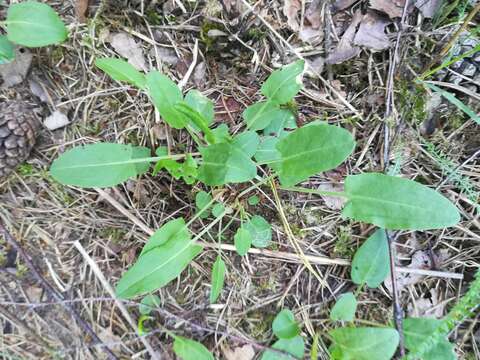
(54,293)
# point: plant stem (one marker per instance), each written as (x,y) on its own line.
(316,192)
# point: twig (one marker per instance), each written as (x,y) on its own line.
(52,292)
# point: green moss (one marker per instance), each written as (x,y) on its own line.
(343,247)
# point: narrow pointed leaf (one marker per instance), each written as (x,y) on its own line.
(284,325)
(121,70)
(312,149)
(363,343)
(398,204)
(187,349)
(218,278)
(283,84)
(371,262)
(165,95)
(34,24)
(7,52)
(242,241)
(98,165)
(345,308)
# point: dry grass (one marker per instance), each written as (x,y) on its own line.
(47,218)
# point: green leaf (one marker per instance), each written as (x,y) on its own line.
(284,325)
(7,51)
(294,346)
(218,279)
(229,162)
(260,231)
(121,70)
(267,152)
(148,303)
(99,165)
(220,134)
(170,231)
(165,95)
(363,343)
(242,241)
(187,349)
(186,170)
(162,261)
(202,201)
(371,262)
(278,128)
(397,204)
(345,308)
(253,200)
(200,103)
(260,115)
(34,24)
(416,330)
(283,84)
(311,150)
(218,210)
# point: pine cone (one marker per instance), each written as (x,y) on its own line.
(18,129)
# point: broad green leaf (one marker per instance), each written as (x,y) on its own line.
(7,51)
(148,304)
(284,325)
(397,204)
(279,127)
(242,241)
(311,150)
(260,231)
(200,103)
(229,162)
(267,152)
(187,349)
(170,231)
(186,169)
(121,70)
(34,24)
(345,308)
(202,201)
(371,262)
(363,343)
(218,278)
(283,84)
(99,165)
(197,120)
(221,134)
(260,115)
(158,266)
(294,346)
(417,330)
(165,95)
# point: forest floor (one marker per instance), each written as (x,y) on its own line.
(83,240)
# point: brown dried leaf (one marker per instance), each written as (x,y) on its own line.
(345,49)
(244,352)
(428,7)
(14,72)
(126,46)
(343,4)
(81,7)
(334,203)
(291,8)
(371,32)
(393,8)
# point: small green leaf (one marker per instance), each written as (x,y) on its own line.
(345,308)
(220,134)
(99,165)
(165,95)
(218,210)
(363,343)
(7,50)
(260,231)
(163,260)
(218,278)
(243,241)
(260,115)
(148,303)
(283,84)
(371,263)
(278,128)
(284,325)
(186,170)
(121,70)
(397,204)
(34,24)
(253,200)
(294,346)
(202,201)
(311,150)
(267,152)
(200,103)
(187,349)
(416,330)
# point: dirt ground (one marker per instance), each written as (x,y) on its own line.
(227,50)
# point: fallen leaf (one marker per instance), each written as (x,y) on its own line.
(310,35)
(127,47)
(199,75)
(315,66)
(333,202)
(107,336)
(244,352)
(165,55)
(38,89)
(343,4)
(428,7)
(313,14)
(56,120)
(393,8)
(371,32)
(291,8)
(14,72)
(81,7)
(345,49)
(429,305)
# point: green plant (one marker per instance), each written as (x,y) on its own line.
(30,24)
(293,156)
